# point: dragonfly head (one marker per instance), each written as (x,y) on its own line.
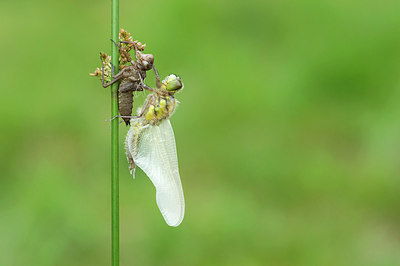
(147,60)
(172,83)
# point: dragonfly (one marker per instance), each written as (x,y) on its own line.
(150,145)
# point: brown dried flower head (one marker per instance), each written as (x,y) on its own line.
(124,36)
(107,68)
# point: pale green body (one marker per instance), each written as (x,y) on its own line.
(150,144)
(158,107)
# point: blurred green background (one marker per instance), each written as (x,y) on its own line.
(287,133)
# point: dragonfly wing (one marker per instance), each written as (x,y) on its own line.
(155,153)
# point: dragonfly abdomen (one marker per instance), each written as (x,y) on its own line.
(125,96)
(125,105)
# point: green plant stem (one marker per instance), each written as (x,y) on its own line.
(114,141)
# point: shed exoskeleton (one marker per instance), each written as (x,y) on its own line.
(129,78)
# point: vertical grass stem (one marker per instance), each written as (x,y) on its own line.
(114,140)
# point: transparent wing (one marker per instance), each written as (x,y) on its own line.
(154,151)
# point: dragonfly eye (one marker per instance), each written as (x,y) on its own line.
(172,83)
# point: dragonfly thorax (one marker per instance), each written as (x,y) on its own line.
(158,108)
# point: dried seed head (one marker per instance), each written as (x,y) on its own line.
(139,45)
(107,68)
(124,35)
(105,57)
(126,45)
(97,72)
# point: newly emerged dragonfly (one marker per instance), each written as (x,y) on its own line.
(150,144)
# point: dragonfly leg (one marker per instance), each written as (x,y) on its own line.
(108,120)
(128,116)
(119,74)
(127,42)
(144,86)
(146,105)
(121,116)
(157,77)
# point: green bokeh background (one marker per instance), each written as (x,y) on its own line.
(287,133)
